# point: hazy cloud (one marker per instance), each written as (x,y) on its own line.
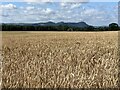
(30,8)
(59,0)
(8,6)
(48,11)
(67,12)
(38,1)
(70,5)
(56,0)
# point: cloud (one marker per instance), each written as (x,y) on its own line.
(69,5)
(59,0)
(90,12)
(63,4)
(38,1)
(48,11)
(76,5)
(73,0)
(93,12)
(56,0)
(66,12)
(8,6)
(95,16)
(30,8)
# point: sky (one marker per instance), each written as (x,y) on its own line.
(93,13)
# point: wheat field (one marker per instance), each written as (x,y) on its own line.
(60,59)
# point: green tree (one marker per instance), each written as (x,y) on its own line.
(90,28)
(113,26)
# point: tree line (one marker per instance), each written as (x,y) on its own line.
(12,27)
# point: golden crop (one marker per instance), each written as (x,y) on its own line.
(60,59)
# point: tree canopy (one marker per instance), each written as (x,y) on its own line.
(12,27)
(113,26)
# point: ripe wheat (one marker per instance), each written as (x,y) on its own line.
(60,59)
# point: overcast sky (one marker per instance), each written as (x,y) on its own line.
(93,13)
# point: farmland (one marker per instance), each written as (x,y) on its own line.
(60,59)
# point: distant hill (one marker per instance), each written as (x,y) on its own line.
(71,24)
(60,26)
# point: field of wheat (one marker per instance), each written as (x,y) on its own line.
(60,59)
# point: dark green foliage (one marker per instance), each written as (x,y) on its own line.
(113,26)
(90,28)
(14,27)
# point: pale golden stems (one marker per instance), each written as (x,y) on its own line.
(60,59)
